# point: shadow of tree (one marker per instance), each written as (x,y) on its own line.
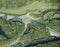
(42,41)
(3,33)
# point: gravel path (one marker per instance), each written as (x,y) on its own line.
(53,32)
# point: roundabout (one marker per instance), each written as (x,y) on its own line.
(30,25)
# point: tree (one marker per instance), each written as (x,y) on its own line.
(55,3)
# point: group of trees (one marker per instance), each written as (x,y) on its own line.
(14,3)
(20,3)
(9,28)
(11,3)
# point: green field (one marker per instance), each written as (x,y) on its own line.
(35,6)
